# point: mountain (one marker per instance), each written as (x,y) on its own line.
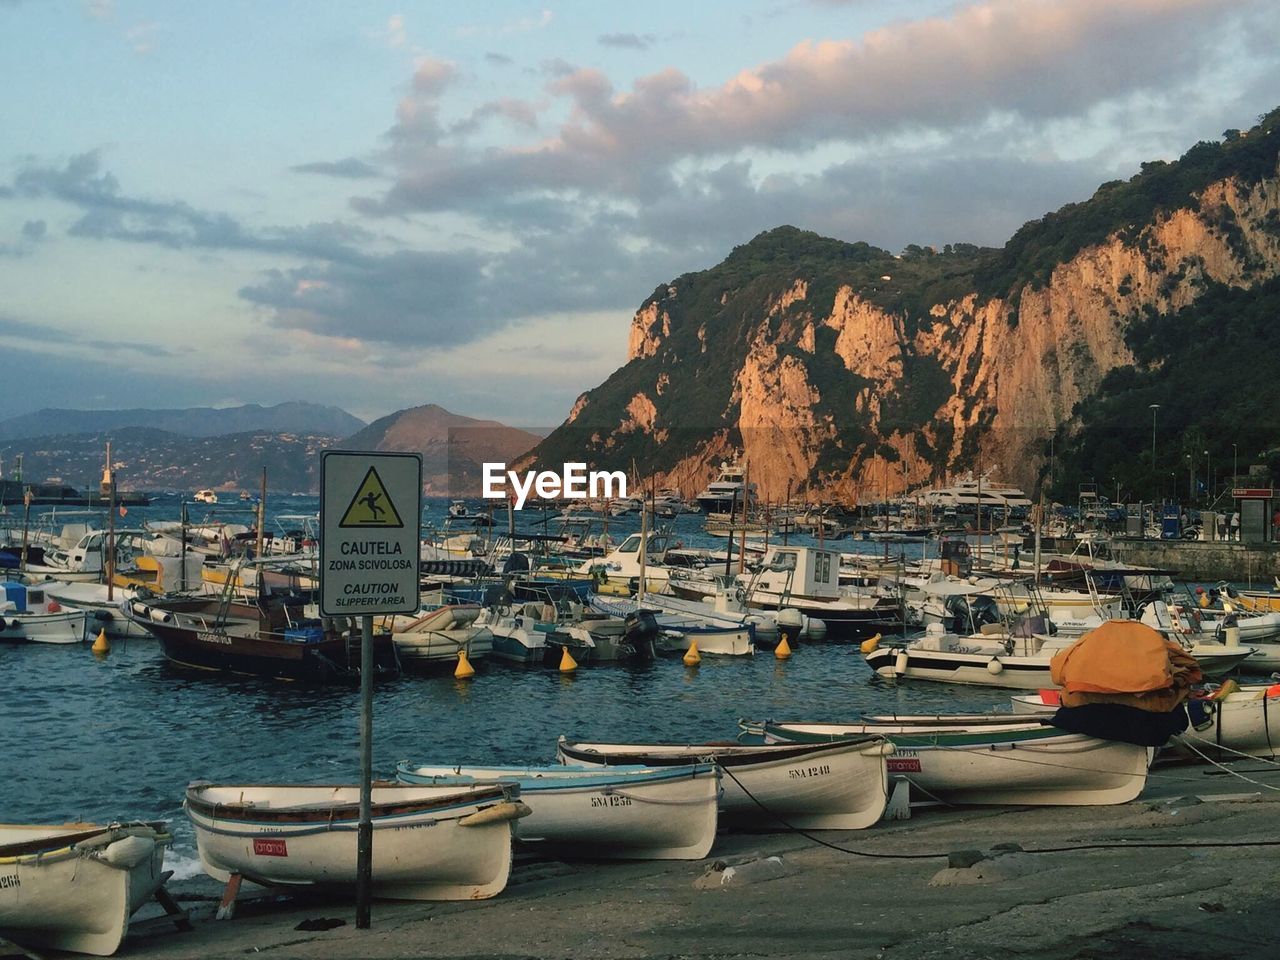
(292,417)
(149,459)
(453,447)
(842,368)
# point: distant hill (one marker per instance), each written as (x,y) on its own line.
(453,447)
(293,417)
(150,459)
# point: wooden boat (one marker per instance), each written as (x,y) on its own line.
(271,639)
(75,886)
(990,761)
(435,638)
(831,786)
(429,843)
(1244,719)
(618,813)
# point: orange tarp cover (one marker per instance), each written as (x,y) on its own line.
(1124,661)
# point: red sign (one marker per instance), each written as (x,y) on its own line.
(269,848)
(1253,493)
(903,765)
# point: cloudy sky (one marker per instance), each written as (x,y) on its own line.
(378,205)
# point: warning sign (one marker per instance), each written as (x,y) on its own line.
(370,506)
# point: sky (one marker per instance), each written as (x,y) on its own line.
(380,205)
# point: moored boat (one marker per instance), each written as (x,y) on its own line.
(74,886)
(429,843)
(616,813)
(434,638)
(28,614)
(1021,761)
(831,786)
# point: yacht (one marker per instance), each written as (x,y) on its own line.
(206,496)
(970,491)
(730,487)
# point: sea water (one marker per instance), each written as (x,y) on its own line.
(119,737)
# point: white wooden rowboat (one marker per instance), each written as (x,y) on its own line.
(1244,721)
(429,843)
(74,886)
(1022,761)
(619,813)
(832,786)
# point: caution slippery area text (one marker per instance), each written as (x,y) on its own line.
(370,504)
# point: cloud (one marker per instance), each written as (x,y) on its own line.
(395,33)
(142,36)
(34,230)
(40,334)
(348,168)
(498,59)
(1034,61)
(627,41)
(99,9)
(109,214)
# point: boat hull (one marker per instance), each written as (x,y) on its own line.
(79,899)
(809,787)
(428,843)
(621,814)
(1036,765)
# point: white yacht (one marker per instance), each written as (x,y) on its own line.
(970,491)
(206,496)
(730,487)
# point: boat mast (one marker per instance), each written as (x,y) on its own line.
(262,512)
(110,480)
(644,546)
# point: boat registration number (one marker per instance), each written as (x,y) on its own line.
(269,848)
(610,800)
(801,773)
(902,764)
(10,881)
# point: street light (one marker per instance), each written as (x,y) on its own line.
(1208,479)
(1154,408)
(1235,464)
(1191,480)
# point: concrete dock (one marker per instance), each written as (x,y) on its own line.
(1121,900)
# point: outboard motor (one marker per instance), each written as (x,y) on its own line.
(640,632)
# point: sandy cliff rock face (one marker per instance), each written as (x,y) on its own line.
(848,396)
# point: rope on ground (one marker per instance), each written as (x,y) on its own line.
(1074,848)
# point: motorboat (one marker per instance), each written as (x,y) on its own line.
(74,886)
(617,813)
(429,842)
(435,637)
(206,496)
(996,657)
(29,615)
(728,492)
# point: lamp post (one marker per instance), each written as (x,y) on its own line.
(1208,479)
(1154,408)
(1235,464)
(1191,480)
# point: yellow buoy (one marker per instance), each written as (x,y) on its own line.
(464,670)
(870,644)
(783,650)
(567,663)
(101,644)
(692,658)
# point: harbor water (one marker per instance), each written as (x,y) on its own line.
(119,737)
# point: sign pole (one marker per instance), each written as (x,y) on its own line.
(370,516)
(364,835)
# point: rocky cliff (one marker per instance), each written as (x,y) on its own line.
(843,369)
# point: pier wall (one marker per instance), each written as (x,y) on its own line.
(1204,560)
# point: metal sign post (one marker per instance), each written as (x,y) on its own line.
(370,512)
